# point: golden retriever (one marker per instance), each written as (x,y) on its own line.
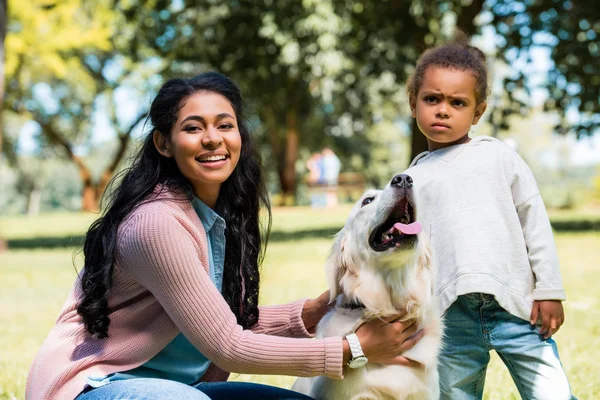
(380,265)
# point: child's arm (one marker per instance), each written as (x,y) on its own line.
(541,249)
(548,292)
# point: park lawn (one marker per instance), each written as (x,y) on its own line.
(35,284)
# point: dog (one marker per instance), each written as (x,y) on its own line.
(381,265)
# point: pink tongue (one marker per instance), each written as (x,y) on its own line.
(410,229)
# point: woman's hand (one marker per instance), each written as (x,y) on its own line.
(314,310)
(384,340)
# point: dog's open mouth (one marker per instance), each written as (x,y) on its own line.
(400,225)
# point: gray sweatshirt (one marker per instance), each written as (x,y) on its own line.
(487,224)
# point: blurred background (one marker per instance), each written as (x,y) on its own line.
(319,77)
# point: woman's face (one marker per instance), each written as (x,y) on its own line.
(205,143)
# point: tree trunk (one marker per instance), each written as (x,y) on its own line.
(3,21)
(418,142)
(287,175)
(89,197)
(107,175)
(34,201)
(467,15)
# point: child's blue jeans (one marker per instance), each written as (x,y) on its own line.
(159,389)
(476,324)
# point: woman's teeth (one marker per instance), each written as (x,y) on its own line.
(212,158)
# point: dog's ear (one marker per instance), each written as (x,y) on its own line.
(336,266)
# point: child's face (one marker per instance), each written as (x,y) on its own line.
(445,106)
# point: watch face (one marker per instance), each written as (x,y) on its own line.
(358,362)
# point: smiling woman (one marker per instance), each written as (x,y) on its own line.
(167,302)
(205,143)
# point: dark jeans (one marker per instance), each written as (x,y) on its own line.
(155,389)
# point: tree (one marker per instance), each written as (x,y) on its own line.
(313,72)
(569,31)
(3,21)
(307,61)
(387,37)
(275,51)
(66,62)
(278,52)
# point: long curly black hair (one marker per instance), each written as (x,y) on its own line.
(240,199)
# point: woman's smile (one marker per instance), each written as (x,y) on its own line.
(213,160)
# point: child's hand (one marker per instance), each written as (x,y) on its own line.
(552,315)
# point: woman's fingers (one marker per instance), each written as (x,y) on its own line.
(393,318)
(401,360)
(384,341)
(407,328)
(412,341)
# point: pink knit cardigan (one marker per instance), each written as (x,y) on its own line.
(161,287)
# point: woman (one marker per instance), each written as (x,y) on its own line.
(160,309)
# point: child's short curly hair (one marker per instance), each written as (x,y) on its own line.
(456,55)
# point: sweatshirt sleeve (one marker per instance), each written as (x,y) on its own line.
(161,254)
(537,231)
(282,320)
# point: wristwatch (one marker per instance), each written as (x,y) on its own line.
(358,357)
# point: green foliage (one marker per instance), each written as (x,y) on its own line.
(313,73)
(44,47)
(569,30)
(47,34)
(68,63)
(283,55)
(56,181)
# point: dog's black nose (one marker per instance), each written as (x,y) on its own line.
(403,181)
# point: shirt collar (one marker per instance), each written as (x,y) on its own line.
(207,215)
(451,152)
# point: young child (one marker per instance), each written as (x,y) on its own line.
(498,272)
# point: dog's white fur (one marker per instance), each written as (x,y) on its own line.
(385,283)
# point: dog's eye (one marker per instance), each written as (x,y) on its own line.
(366,201)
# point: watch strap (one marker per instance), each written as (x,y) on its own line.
(355,348)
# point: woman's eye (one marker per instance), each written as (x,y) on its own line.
(367,200)
(191,128)
(226,126)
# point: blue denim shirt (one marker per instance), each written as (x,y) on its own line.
(180,360)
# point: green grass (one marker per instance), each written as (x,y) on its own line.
(35,284)
(46,225)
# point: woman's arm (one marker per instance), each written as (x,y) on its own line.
(164,257)
(283,320)
(296,319)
